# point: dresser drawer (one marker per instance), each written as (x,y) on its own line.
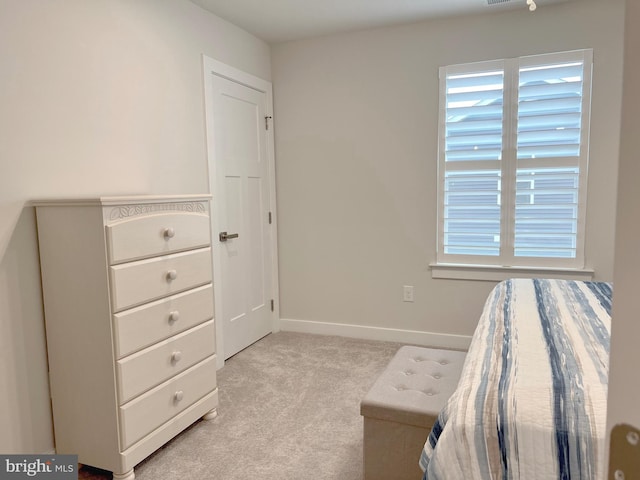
(139,327)
(149,367)
(141,237)
(150,410)
(138,282)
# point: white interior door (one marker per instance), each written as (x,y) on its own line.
(242,218)
(623,404)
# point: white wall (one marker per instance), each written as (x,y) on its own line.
(97,97)
(624,388)
(356,156)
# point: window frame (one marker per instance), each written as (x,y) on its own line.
(509,162)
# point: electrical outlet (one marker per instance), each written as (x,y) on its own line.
(407,293)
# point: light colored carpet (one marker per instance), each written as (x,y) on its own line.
(289,410)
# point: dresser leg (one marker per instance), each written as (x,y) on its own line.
(124,476)
(211,414)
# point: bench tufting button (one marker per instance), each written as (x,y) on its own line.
(443,362)
(408,373)
(436,376)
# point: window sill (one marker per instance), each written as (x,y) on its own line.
(495,273)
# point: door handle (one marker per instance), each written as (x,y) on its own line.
(224,236)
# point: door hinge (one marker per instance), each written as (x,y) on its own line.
(269,218)
(272,305)
(266,121)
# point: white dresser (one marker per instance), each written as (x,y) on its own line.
(129,318)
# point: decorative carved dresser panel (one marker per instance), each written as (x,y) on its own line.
(129,318)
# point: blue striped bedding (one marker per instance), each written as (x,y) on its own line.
(531,402)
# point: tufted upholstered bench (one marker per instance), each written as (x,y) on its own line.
(401,408)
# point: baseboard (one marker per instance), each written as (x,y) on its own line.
(410,337)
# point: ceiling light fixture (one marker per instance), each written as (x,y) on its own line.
(532,5)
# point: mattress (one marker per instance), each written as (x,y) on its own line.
(531,402)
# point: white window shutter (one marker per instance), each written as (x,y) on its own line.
(550,150)
(546,220)
(528,207)
(472,212)
(550,110)
(471,152)
(474,108)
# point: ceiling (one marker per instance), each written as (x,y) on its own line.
(283,20)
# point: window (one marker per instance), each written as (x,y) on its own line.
(513,157)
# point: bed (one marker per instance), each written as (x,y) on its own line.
(531,401)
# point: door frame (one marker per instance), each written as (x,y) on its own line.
(215,67)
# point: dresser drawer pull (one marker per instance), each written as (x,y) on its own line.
(172,275)
(169,233)
(176,356)
(178,396)
(174,316)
